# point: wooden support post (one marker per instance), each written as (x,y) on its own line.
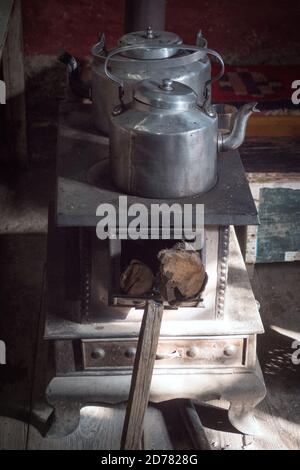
(142,376)
(193,425)
(115,247)
(13,73)
(6,7)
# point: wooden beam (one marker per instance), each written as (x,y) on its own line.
(193,425)
(13,73)
(273,126)
(5,12)
(142,376)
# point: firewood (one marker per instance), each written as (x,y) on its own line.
(137,279)
(182,275)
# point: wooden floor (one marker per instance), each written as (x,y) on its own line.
(21,272)
(100,429)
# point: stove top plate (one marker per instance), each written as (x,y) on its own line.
(81,187)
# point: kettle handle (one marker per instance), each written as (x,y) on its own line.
(100,47)
(119,50)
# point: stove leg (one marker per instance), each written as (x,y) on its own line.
(243,419)
(243,401)
(65,419)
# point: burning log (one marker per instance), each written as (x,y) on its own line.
(182,275)
(137,279)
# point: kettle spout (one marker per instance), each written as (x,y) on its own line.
(237,135)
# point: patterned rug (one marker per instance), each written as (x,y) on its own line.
(271,86)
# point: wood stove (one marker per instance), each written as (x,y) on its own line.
(207,347)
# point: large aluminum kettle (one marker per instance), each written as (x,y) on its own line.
(190,66)
(163,145)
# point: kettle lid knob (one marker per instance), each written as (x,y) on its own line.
(167,84)
(149,33)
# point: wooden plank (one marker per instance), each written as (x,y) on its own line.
(274,180)
(13,73)
(273,126)
(5,12)
(193,425)
(271,155)
(142,376)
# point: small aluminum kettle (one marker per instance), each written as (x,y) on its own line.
(163,145)
(145,55)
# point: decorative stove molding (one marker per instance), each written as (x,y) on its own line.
(222,270)
(85,262)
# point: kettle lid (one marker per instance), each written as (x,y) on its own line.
(167,94)
(153,38)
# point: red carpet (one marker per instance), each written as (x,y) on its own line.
(270,85)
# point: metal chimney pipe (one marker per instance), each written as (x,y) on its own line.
(142,13)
